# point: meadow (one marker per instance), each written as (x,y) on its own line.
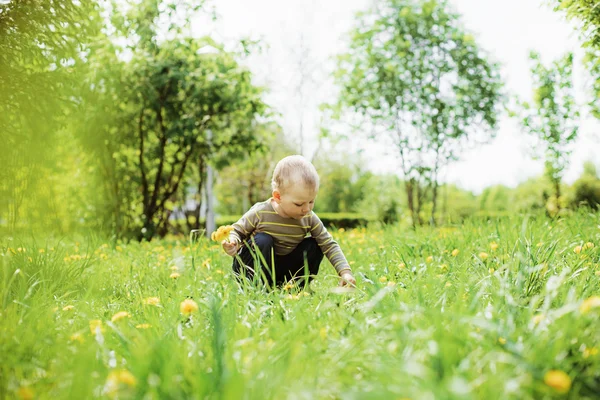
(504,308)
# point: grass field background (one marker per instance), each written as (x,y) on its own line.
(501,308)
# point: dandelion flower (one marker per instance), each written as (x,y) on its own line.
(577,249)
(76,337)
(188,306)
(119,316)
(455,252)
(493,246)
(383,279)
(502,340)
(174,275)
(96,325)
(401,265)
(590,303)
(117,377)
(152,301)
(323,333)
(429,259)
(143,326)
(222,233)
(558,380)
(483,255)
(25,393)
(588,245)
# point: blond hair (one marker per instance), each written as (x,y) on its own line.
(293,170)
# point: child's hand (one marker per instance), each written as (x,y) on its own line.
(347,279)
(231,248)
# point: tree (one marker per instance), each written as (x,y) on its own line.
(586,11)
(551,118)
(176,101)
(418,80)
(42,47)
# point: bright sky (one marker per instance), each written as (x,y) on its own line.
(304,35)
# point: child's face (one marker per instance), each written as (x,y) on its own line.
(296,201)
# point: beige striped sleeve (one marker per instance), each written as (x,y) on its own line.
(244,227)
(330,248)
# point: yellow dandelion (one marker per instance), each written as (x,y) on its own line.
(96,325)
(429,259)
(483,255)
(455,252)
(577,249)
(143,326)
(174,268)
(121,376)
(589,304)
(493,246)
(68,308)
(323,333)
(120,315)
(174,275)
(401,265)
(76,337)
(188,306)
(444,268)
(590,352)
(119,248)
(42,251)
(25,393)
(588,245)
(558,380)
(383,279)
(152,301)
(222,233)
(491,270)
(502,341)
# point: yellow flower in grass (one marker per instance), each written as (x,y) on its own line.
(76,337)
(383,279)
(455,252)
(493,246)
(588,245)
(538,318)
(590,303)
(429,259)
(577,249)
(558,380)
(222,233)
(68,308)
(120,315)
(188,306)
(483,255)
(25,393)
(143,326)
(401,265)
(152,301)
(95,325)
(116,378)
(174,275)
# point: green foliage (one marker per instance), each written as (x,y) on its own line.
(552,117)
(42,50)
(420,83)
(586,190)
(586,11)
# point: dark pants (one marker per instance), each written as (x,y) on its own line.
(258,255)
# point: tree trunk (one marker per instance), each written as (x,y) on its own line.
(408,184)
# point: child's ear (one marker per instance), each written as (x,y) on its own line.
(277,196)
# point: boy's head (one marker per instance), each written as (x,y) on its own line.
(295,185)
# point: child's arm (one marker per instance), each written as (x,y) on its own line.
(332,251)
(242,229)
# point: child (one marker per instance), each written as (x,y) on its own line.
(285,230)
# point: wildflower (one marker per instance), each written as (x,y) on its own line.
(25,393)
(76,337)
(401,265)
(455,252)
(222,233)
(491,270)
(448,284)
(588,304)
(143,326)
(119,377)
(577,249)
(391,283)
(483,255)
(174,275)
(493,246)
(429,259)
(590,352)
(501,340)
(119,248)
(152,301)
(323,333)
(188,306)
(444,268)
(383,279)
(119,316)
(68,308)
(42,251)
(588,245)
(174,268)
(96,325)
(558,380)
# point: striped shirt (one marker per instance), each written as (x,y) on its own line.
(287,233)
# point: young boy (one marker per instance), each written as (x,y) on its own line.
(284,229)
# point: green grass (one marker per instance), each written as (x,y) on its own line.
(422,324)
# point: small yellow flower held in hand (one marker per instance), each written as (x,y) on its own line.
(222,233)
(188,306)
(119,316)
(589,304)
(558,380)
